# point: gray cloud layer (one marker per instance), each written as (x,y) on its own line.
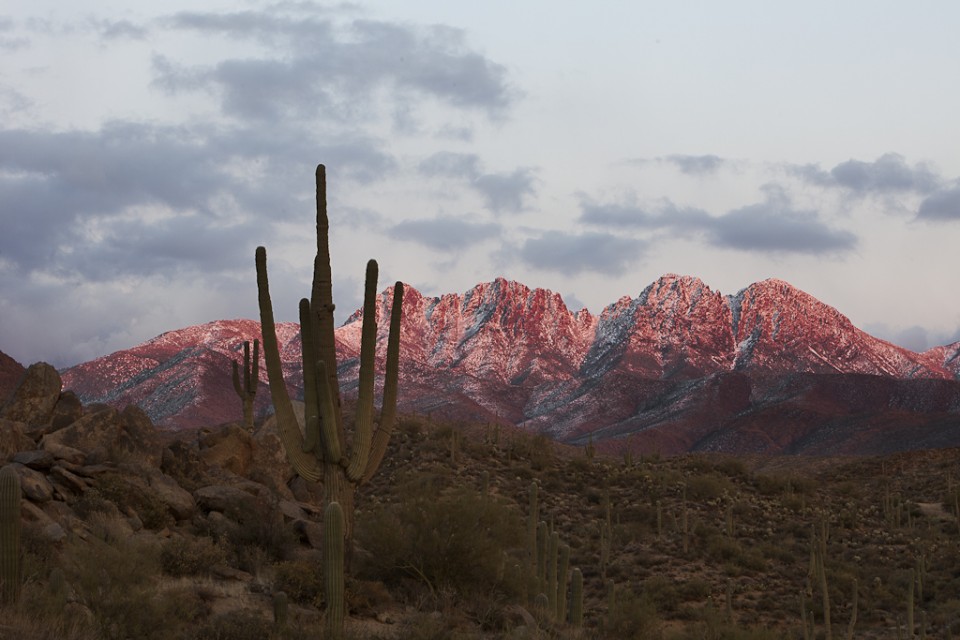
(445,234)
(572,254)
(505,192)
(943,205)
(696,165)
(772,226)
(331,69)
(888,173)
(125,207)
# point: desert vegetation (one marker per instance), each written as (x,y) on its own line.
(693,546)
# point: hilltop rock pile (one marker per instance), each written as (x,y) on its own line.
(73,459)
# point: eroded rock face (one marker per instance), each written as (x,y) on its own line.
(230,448)
(34,484)
(12,439)
(36,396)
(138,437)
(178,500)
(68,410)
(95,433)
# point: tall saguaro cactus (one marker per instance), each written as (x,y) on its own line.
(317,449)
(318,453)
(9,534)
(247,387)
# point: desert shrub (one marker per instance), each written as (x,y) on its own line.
(254,537)
(707,486)
(666,594)
(631,617)
(92,501)
(455,540)
(770,485)
(237,625)
(182,556)
(722,549)
(301,580)
(117,581)
(126,494)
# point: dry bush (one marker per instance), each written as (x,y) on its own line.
(191,556)
(457,540)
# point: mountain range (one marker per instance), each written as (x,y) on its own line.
(678,368)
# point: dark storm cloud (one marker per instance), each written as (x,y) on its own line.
(773,226)
(445,234)
(322,67)
(940,206)
(571,254)
(888,173)
(696,165)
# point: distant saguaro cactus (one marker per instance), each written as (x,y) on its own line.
(9,534)
(247,387)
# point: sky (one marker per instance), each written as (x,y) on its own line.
(146,149)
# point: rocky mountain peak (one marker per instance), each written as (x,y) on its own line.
(502,349)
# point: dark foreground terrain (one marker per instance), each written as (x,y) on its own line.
(131,532)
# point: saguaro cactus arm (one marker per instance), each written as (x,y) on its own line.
(388,411)
(363,424)
(304,463)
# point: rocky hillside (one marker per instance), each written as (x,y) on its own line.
(130,532)
(503,352)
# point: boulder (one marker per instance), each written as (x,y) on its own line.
(68,479)
(138,438)
(33,484)
(270,464)
(13,440)
(97,434)
(68,410)
(178,500)
(35,459)
(63,452)
(310,531)
(230,500)
(35,397)
(230,447)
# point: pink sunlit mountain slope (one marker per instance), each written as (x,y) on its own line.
(680,367)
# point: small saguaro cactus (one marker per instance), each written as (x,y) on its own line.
(576,598)
(246,388)
(280,609)
(533,518)
(563,577)
(9,534)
